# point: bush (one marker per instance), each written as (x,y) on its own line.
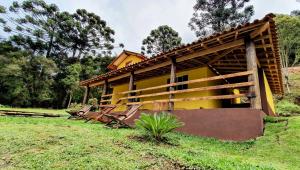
(157,125)
(93,101)
(287,108)
(74,107)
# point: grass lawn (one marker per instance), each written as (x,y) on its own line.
(47,143)
(36,110)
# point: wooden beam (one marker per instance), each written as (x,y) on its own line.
(119,77)
(212,50)
(220,56)
(239,74)
(220,97)
(255,101)
(260,30)
(104,90)
(172,80)
(152,67)
(218,87)
(131,85)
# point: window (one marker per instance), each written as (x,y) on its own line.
(180,79)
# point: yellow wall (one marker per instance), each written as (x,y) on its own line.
(132,58)
(269,94)
(156,81)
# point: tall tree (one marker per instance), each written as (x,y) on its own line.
(88,34)
(211,16)
(71,81)
(289,42)
(32,25)
(160,40)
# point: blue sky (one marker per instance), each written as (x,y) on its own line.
(134,19)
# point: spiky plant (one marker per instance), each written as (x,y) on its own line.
(157,125)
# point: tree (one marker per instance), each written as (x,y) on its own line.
(295,13)
(71,81)
(87,34)
(289,42)
(32,25)
(211,16)
(43,29)
(161,40)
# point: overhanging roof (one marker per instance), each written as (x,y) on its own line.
(224,52)
(124,54)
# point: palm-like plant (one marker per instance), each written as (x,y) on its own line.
(157,125)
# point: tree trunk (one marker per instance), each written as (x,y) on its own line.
(70,99)
(50,47)
(64,101)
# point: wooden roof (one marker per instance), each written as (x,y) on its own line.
(113,65)
(223,52)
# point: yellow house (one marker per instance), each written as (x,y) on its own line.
(220,86)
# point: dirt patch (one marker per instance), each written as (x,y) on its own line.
(158,162)
(146,139)
(5,161)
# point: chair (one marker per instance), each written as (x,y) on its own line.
(80,113)
(98,115)
(120,119)
(105,109)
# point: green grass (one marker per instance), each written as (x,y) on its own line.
(47,143)
(36,110)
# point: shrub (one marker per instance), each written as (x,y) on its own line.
(93,101)
(157,125)
(286,108)
(74,107)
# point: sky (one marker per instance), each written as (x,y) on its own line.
(133,20)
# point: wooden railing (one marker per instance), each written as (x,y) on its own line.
(198,89)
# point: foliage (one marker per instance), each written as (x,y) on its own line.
(93,101)
(157,125)
(25,80)
(44,29)
(289,42)
(161,40)
(287,108)
(211,16)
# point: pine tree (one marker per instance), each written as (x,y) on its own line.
(211,16)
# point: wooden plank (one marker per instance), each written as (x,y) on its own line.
(260,30)
(153,67)
(104,90)
(239,74)
(251,57)
(220,56)
(119,77)
(218,87)
(191,99)
(107,95)
(212,50)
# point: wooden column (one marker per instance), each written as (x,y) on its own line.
(86,95)
(172,80)
(104,89)
(255,98)
(131,85)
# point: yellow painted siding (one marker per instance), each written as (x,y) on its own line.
(269,94)
(132,58)
(156,81)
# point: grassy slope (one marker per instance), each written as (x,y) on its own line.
(61,143)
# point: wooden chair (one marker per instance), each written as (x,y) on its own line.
(81,112)
(119,120)
(98,116)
